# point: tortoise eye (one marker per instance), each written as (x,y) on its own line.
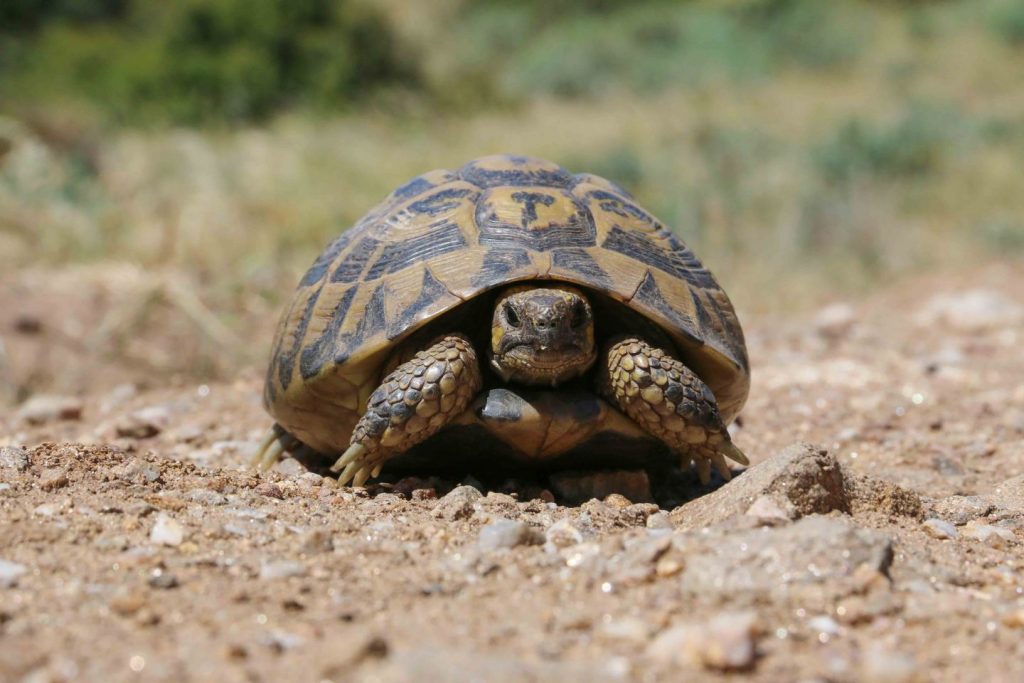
(511,317)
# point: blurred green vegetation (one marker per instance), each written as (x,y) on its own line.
(197,60)
(803,148)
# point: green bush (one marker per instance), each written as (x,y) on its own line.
(202,60)
(914,145)
(583,47)
(1006,19)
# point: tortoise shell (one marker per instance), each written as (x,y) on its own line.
(444,240)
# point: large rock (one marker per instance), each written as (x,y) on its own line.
(813,550)
(801,480)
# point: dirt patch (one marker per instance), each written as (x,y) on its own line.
(135,546)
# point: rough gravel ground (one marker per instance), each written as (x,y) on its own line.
(135,546)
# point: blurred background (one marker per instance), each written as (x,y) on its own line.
(168,170)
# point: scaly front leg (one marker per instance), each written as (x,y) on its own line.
(413,403)
(669,402)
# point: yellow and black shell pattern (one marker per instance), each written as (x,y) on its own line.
(447,237)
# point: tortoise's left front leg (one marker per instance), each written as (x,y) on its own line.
(415,401)
(670,402)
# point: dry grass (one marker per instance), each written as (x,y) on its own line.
(737,170)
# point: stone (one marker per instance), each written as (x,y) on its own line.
(578,487)
(166,531)
(727,642)
(765,508)
(801,480)
(1011,490)
(144,423)
(835,320)
(317,541)
(10,572)
(809,551)
(281,569)
(659,520)
(138,471)
(971,310)
(506,533)
(206,497)
(962,509)
(14,458)
(457,503)
(995,536)
(52,479)
(45,408)
(627,630)
(270,490)
(938,528)
(882,665)
(563,534)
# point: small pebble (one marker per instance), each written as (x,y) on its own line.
(885,666)
(939,528)
(10,572)
(281,569)
(47,510)
(824,624)
(206,497)
(14,458)
(505,533)
(144,423)
(458,503)
(725,643)
(163,580)
(627,630)
(127,603)
(994,536)
(53,479)
(42,409)
(166,531)
(317,541)
(270,490)
(659,520)
(563,534)
(766,508)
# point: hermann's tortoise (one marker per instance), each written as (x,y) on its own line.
(512,312)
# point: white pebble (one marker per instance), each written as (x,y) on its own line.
(282,569)
(166,531)
(995,536)
(940,528)
(10,572)
(505,533)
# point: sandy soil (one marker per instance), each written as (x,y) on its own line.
(134,544)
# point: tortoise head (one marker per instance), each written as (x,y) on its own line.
(542,335)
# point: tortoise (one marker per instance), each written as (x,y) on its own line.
(608,343)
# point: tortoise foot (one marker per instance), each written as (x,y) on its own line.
(413,403)
(670,402)
(275,443)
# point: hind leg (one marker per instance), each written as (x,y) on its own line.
(415,401)
(276,442)
(669,402)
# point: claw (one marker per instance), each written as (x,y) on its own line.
(257,454)
(721,466)
(731,451)
(703,466)
(361,476)
(270,456)
(353,453)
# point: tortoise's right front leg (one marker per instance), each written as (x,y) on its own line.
(413,403)
(670,402)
